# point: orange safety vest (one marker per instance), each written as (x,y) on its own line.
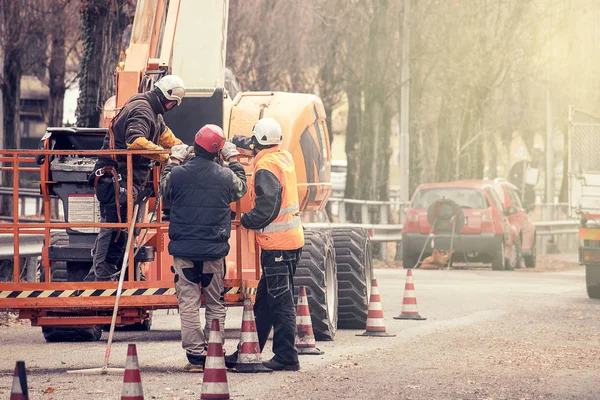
(285,232)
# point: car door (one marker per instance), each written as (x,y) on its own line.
(521,219)
(499,210)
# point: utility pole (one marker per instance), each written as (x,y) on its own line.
(404,104)
(549,148)
(549,197)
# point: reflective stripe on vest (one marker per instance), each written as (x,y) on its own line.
(285,231)
(289,210)
(282,226)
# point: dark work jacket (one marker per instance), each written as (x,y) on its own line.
(200,193)
(141,116)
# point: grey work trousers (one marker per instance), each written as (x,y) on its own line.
(190,277)
(107,252)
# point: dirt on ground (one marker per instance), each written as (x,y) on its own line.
(11,319)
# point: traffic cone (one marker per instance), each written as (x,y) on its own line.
(249,359)
(409,304)
(375,323)
(305,338)
(215,385)
(19,387)
(132,380)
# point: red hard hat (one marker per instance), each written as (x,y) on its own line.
(211,138)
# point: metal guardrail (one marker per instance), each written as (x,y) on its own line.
(549,228)
(366,207)
(393,232)
(24,194)
(384,233)
(378,232)
(30,245)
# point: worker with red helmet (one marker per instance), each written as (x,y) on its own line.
(200,192)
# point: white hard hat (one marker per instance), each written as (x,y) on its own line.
(267,132)
(172,87)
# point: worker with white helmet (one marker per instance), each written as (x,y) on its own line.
(275,219)
(139,125)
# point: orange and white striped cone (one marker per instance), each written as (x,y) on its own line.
(132,380)
(375,322)
(214,385)
(249,359)
(19,389)
(409,303)
(305,337)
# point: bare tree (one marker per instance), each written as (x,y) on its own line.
(380,69)
(19,29)
(103,23)
(63,26)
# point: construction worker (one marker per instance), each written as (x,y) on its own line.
(275,219)
(200,192)
(138,126)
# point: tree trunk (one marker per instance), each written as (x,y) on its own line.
(352,141)
(103,24)
(367,177)
(376,129)
(444,167)
(11,90)
(383,153)
(416,164)
(328,111)
(563,196)
(471,161)
(493,152)
(56,73)
(56,83)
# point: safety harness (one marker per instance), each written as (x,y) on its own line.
(111,170)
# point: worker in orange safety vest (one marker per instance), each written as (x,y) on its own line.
(275,219)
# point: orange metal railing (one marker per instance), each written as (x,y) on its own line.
(17,228)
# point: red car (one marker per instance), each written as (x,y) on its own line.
(486,237)
(520,220)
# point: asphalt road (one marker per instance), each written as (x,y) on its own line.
(488,335)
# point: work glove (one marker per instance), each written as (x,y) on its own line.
(229,151)
(181,153)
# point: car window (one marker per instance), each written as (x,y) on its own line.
(514,197)
(496,200)
(500,192)
(464,197)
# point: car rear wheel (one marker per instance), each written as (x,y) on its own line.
(519,249)
(409,262)
(531,260)
(510,263)
(498,260)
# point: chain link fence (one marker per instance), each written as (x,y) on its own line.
(585,147)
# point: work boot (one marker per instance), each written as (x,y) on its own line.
(277,366)
(195,368)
